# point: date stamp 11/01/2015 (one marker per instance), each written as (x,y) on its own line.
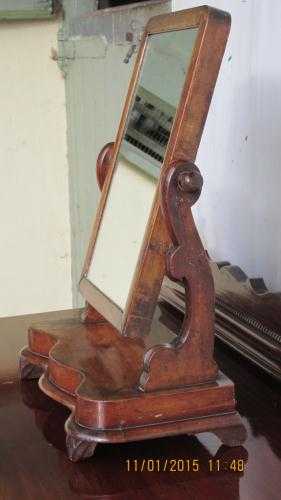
(185,465)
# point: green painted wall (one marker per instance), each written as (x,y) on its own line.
(12,10)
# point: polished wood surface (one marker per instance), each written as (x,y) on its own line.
(89,367)
(103,163)
(33,463)
(189,360)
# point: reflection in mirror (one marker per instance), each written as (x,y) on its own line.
(140,157)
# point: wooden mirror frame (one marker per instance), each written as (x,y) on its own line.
(213,28)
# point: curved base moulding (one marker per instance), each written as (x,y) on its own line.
(81,442)
(80,367)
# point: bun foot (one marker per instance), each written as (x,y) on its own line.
(231,436)
(78,449)
(79,444)
(27,370)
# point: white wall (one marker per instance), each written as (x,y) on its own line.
(240,153)
(35,258)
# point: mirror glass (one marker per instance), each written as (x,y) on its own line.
(140,157)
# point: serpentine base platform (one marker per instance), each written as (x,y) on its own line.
(94,371)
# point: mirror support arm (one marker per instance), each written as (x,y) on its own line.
(189,359)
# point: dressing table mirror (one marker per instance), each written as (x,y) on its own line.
(126,209)
(126,371)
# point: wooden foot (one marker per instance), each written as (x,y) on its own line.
(227,454)
(231,436)
(27,370)
(79,444)
(78,449)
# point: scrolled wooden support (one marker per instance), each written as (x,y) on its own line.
(103,163)
(189,359)
(190,181)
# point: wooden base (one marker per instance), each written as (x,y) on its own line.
(94,371)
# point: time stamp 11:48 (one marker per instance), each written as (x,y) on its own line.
(184,465)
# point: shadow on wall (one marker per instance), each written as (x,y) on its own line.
(238,214)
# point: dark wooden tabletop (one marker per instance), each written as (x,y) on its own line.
(33,464)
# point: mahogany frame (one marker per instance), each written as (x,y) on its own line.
(213,28)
